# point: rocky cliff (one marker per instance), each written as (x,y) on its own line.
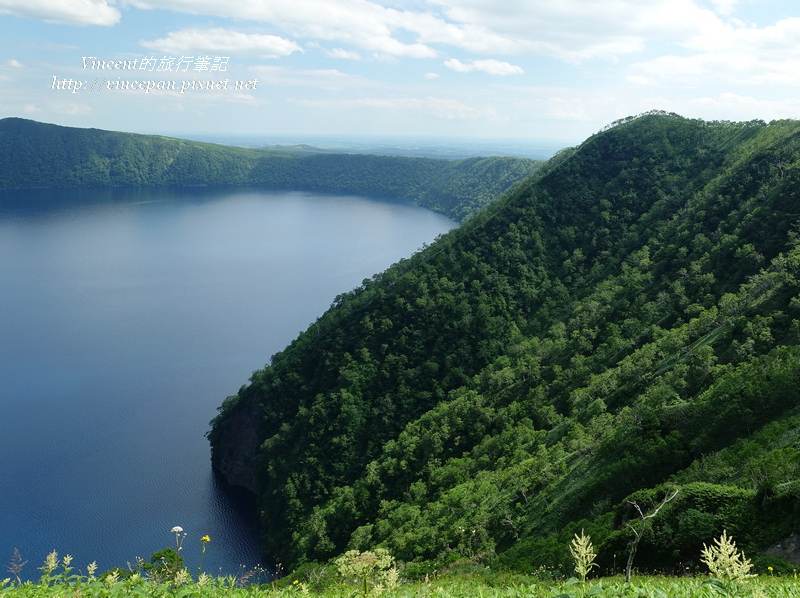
(234,441)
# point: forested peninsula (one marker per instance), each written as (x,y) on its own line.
(622,325)
(40,155)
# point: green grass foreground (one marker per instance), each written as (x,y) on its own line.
(474,584)
(376,574)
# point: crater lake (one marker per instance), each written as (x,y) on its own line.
(126,318)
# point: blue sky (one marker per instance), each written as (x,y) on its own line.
(526,69)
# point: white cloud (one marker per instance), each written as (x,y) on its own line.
(724,7)
(326,79)
(673,71)
(492,67)
(739,55)
(572,31)
(731,106)
(19,108)
(71,108)
(222,41)
(360,23)
(67,12)
(344,54)
(676,55)
(568,109)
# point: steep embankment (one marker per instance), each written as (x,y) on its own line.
(41,155)
(628,317)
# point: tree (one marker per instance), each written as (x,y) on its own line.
(638,531)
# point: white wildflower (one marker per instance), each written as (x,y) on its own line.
(725,561)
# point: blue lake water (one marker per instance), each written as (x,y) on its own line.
(126,317)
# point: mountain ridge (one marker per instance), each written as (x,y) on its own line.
(626,318)
(34,154)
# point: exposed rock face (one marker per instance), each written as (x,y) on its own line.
(788,549)
(235,443)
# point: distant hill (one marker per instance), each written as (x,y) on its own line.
(409,146)
(34,154)
(624,323)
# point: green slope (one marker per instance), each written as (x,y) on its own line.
(42,155)
(627,318)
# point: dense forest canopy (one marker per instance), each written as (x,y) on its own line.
(623,323)
(35,154)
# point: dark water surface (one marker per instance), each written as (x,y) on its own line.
(126,317)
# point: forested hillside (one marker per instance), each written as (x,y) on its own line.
(41,155)
(624,324)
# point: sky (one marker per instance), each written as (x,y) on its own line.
(516,69)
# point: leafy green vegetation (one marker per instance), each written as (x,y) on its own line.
(41,155)
(623,324)
(376,574)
